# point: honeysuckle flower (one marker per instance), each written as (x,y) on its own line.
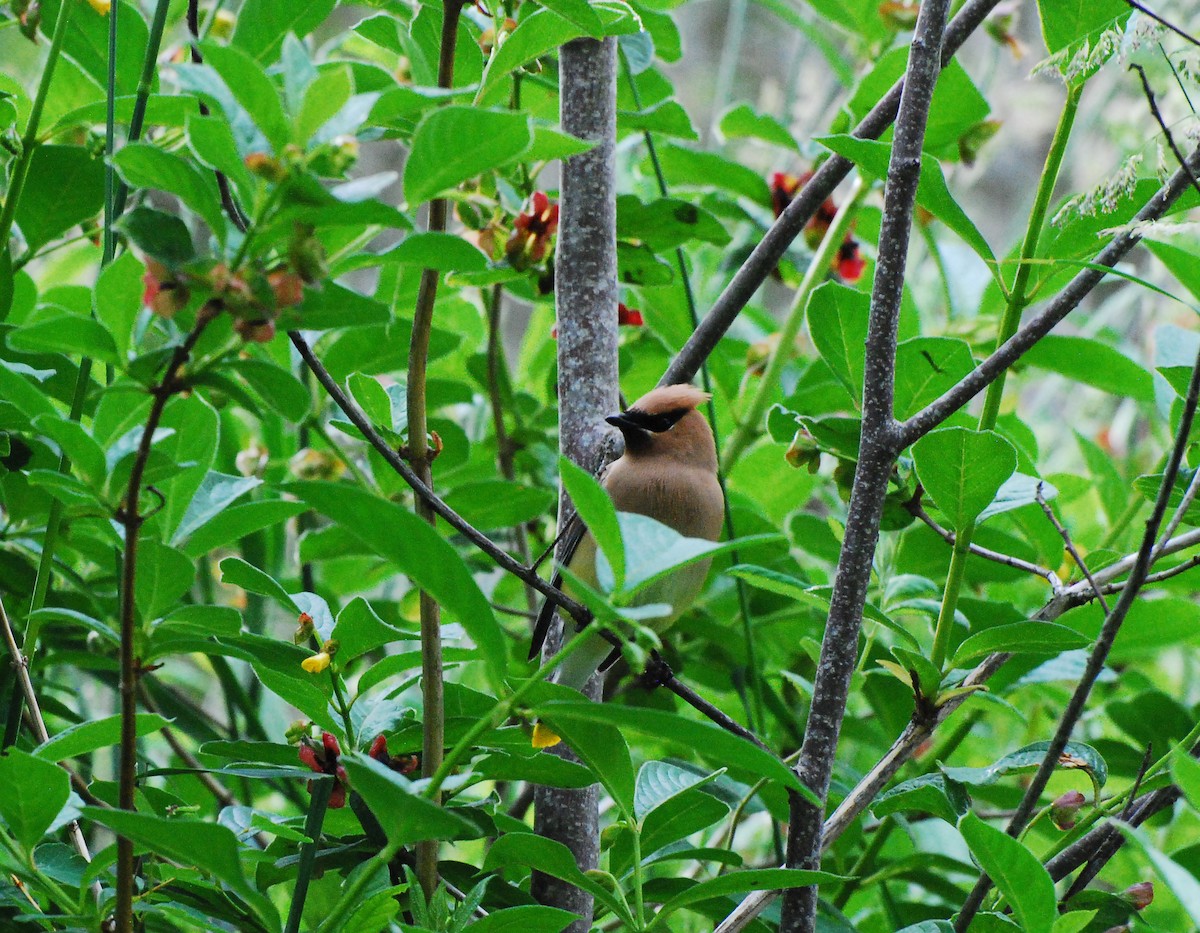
(253,460)
(532,231)
(401,764)
(326,759)
(848,263)
(163,293)
(100,6)
(317,662)
(304,630)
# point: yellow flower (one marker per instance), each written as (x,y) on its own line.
(317,663)
(100,6)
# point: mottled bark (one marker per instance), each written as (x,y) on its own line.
(586,298)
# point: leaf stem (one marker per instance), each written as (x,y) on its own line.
(749,425)
(308,851)
(1017,300)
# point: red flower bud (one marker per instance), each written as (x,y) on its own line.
(259,330)
(287,286)
(378,749)
(1063,810)
(1140,895)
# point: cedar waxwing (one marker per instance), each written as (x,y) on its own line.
(668,472)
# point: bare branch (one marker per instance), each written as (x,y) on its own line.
(1070,545)
(839,646)
(1041,324)
(766,255)
(918,511)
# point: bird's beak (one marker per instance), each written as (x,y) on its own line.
(623,422)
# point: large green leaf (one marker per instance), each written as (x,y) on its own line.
(1093,363)
(962,470)
(453,144)
(405,815)
(1067,21)
(64,187)
(35,792)
(420,552)
(596,511)
(252,89)
(1019,638)
(1016,871)
(66,333)
(86,737)
(263,24)
(146,166)
(761,879)
(837,320)
(872,158)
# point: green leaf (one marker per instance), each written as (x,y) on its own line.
(1019,638)
(86,737)
(596,511)
(737,882)
(160,236)
(962,470)
(405,815)
(64,187)
(217,492)
(872,158)
(1185,771)
(66,333)
(418,551)
(1065,22)
(208,846)
(454,144)
(537,34)
(1017,491)
(35,792)
(248,83)
(146,166)
(554,859)
(659,782)
(1075,756)
(1093,363)
(282,391)
(705,739)
(837,320)
(742,122)
(691,168)
(163,576)
(118,300)
(527,918)
(211,139)
(16,389)
(1016,872)
(925,368)
(236,572)
(666,118)
(87,458)
(1183,884)
(666,223)
(492,504)
(233,523)
(263,24)
(441,251)
(929,793)
(579,12)
(360,630)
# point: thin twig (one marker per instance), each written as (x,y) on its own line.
(1165,22)
(1104,642)
(766,255)
(915,508)
(21,666)
(1070,545)
(393,459)
(131,519)
(1185,503)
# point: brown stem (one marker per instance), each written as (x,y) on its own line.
(434,721)
(131,519)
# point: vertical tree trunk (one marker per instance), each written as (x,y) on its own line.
(586,299)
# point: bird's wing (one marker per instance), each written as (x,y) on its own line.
(570,538)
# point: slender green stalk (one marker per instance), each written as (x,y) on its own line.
(145,83)
(748,426)
(29,140)
(353,893)
(639,905)
(308,851)
(1017,300)
(432,691)
(110,138)
(342,706)
(497,714)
